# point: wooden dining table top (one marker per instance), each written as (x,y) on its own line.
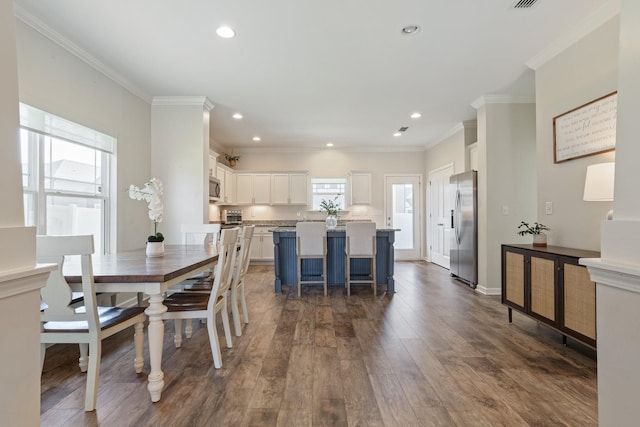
(134,266)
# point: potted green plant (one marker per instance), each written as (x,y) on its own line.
(332,207)
(231,159)
(536,230)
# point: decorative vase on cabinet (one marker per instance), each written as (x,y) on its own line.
(540,240)
(331,221)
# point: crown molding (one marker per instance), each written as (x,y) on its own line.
(503,99)
(467,124)
(202,101)
(606,12)
(470,124)
(448,134)
(57,38)
(298,150)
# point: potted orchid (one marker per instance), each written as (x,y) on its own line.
(151,193)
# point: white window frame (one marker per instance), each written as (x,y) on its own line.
(41,128)
(317,196)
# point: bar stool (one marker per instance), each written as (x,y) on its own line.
(311,243)
(361,244)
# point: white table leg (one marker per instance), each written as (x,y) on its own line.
(156,336)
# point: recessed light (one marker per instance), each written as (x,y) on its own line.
(410,29)
(397,134)
(329,144)
(257,138)
(416,115)
(225,32)
(237,116)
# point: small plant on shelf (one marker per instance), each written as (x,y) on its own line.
(534,229)
(231,159)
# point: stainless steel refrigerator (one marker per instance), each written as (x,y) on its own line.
(464,227)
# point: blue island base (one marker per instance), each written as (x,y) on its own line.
(285,260)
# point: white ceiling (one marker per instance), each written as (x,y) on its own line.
(304,73)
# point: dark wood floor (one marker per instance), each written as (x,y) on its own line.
(434,353)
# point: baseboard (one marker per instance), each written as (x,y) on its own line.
(488,291)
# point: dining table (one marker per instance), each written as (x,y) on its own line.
(134,271)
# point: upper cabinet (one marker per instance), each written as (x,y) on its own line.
(472,152)
(360,188)
(227,185)
(289,188)
(213,163)
(253,188)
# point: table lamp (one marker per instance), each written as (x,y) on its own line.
(599,184)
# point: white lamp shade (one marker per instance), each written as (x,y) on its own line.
(598,185)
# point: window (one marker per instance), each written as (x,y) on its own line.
(328,188)
(65,176)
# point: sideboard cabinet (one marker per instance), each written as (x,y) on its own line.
(548,284)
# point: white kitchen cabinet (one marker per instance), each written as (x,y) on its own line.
(262,245)
(472,150)
(253,188)
(227,185)
(360,188)
(289,189)
(213,164)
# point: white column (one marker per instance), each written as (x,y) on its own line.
(180,159)
(617,273)
(20,278)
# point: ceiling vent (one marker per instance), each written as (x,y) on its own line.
(524,4)
(403,129)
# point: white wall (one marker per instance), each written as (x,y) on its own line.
(618,274)
(506,182)
(19,300)
(584,72)
(52,79)
(180,159)
(449,150)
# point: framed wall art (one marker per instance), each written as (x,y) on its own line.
(586,130)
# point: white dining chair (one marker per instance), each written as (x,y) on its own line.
(200,234)
(87,325)
(311,243)
(194,305)
(360,244)
(197,235)
(239,272)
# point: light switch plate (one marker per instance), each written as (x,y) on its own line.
(548,207)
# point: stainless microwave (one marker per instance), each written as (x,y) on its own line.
(214,189)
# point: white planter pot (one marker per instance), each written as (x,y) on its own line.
(331,221)
(540,240)
(155,249)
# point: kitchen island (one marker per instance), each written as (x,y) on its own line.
(285,260)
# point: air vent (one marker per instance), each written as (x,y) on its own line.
(524,4)
(403,129)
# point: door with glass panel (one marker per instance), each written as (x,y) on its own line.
(402,212)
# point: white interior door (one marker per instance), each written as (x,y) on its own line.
(439,215)
(402,211)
